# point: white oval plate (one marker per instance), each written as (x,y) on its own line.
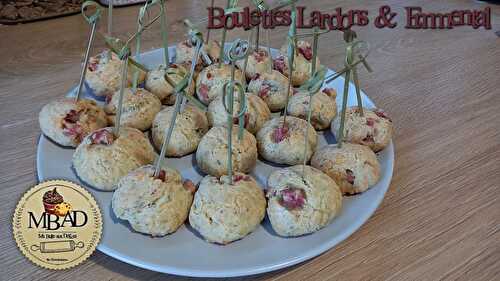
(185,252)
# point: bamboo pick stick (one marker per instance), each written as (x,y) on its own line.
(92,19)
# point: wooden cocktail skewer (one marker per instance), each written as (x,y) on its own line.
(92,19)
(292,44)
(239,50)
(143,12)
(208,30)
(123,85)
(230,7)
(312,90)
(110,17)
(351,66)
(179,89)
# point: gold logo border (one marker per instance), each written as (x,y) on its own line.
(20,204)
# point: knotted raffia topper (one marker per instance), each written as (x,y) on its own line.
(356,53)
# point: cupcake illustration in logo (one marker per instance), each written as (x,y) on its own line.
(53,202)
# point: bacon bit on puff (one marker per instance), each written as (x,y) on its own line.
(204,91)
(162,175)
(72,116)
(264,91)
(292,198)
(370,121)
(93,63)
(189,186)
(102,136)
(280,134)
(350,176)
(330,92)
(279,64)
(246,118)
(380,113)
(260,55)
(306,51)
(368,139)
(237,178)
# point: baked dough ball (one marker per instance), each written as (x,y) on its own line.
(353,167)
(272,88)
(103,158)
(67,122)
(211,80)
(256,115)
(259,62)
(374,129)
(223,213)
(184,51)
(153,205)
(324,107)
(211,155)
(190,126)
(285,145)
(157,85)
(300,204)
(139,108)
(104,73)
(302,62)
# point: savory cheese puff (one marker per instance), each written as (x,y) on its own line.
(258,62)
(285,144)
(272,88)
(256,115)
(138,111)
(102,158)
(67,122)
(302,63)
(323,108)
(190,126)
(301,203)
(210,82)
(224,212)
(158,85)
(211,155)
(104,73)
(353,167)
(185,50)
(373,129)
(153,205)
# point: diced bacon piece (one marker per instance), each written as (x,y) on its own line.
(370,121)
(330,92)
(73,130)
(173,65)
(237,178)
(204,91)
(209,75)
(280,134)
(162,175)
(102,136)
(93,63)
(189,186)
(368,139)
(246,118)
(380,113)
(72,116)
(279,64)
(260,55)
(306,51)
(108,98)
(292,198)
(264,91)
(350,176)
